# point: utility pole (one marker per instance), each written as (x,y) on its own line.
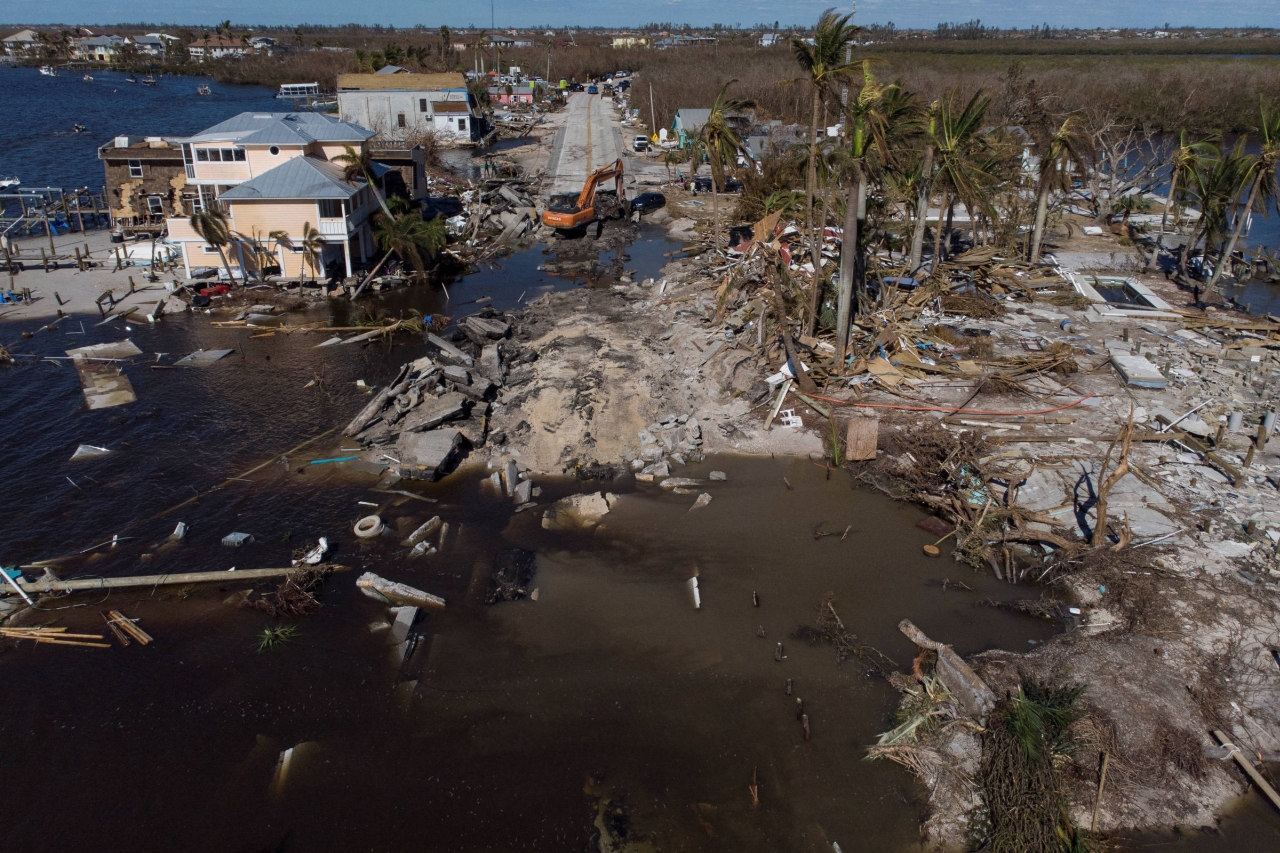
(653,116)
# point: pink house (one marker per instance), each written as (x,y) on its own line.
(499,95)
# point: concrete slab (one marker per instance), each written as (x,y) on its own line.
(428,455)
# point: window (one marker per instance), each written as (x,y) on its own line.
(422,105)
(330,209)
(210,250)
(135,168)
(202,155)
(240,155)
(155,205)
(399,119)
(462,124)
(229,155)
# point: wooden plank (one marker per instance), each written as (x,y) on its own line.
(241,576)
(861,438)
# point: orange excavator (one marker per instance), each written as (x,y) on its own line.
(568,212)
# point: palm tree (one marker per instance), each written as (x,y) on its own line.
(823,63)
(1215,186)
(1186,158)
(1261,177)
(1059,150)
(925,194)
(312,246)
(874,121)
(961,168)
(721,144)
(415,240)
(356,165)
(212,227)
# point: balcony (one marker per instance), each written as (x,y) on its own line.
(333,227)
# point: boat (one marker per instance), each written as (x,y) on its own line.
(79,128)
(10,182)
(299,91)
(48,71)
(88,78)
(148,80)
(131,79)
(204,90)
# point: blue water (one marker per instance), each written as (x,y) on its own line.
(41,111)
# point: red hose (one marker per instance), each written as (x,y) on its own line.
(948,409)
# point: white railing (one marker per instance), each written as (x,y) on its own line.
(333,227)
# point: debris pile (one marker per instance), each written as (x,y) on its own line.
(438,406)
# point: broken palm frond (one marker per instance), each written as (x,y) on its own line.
(1057,358)
(294,596)
(926,706)
(1025,802)
(414,323)
(1070,299)
(977,305)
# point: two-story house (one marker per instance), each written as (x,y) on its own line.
(217,47)
(100,48)
(400,105)
(21,43)
(275,172)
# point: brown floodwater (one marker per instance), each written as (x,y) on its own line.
(509,724)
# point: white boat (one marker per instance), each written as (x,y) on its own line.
(300,91)
(88,78)
(203,90)
(10,182)
(48,71)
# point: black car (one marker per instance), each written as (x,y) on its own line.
(703,185)
(577,87)
(648,202)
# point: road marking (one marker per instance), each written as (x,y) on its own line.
(590,100)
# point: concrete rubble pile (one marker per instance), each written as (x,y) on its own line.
(437,407)
(504,208)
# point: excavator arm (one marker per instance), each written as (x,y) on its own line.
(569,213)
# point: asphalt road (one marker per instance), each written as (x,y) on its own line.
(588,139)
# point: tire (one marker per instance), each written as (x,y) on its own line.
(369,527)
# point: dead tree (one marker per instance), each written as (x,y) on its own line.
(1106,485)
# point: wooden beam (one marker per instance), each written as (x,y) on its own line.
(231,576)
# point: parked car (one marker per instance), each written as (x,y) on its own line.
(648,202)
(703,185)
(640,143)
(622,74)
(593,89)
(576,87)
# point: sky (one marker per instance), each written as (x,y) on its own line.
(745,13)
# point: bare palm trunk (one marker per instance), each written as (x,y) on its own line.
(815,243)
(1241,215)
(848,268)
(946,235)
(922,210)
(937,230)
(226,264)
(1168,202)
(1042,213)
(715,211)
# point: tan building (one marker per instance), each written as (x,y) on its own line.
(272,172)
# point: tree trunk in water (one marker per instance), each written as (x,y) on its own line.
(848,270)
(922,211)
(816,244)
(1042,212)
(1241,215)
(937,231)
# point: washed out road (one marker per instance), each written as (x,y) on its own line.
(588,139)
